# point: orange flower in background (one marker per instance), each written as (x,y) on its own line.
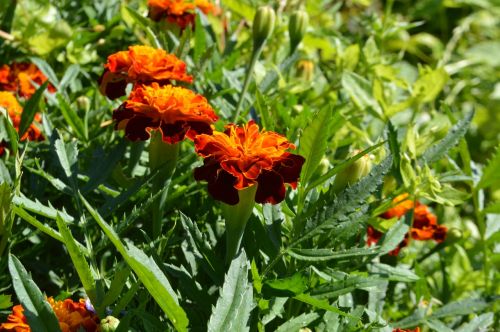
(16,321)
(417,329)
(72,316)
(140,64)
(18,78)
(179,12)
(10,103)
(242,157)
(425,226)
(177,112)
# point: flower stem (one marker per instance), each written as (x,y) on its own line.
(162,157)
(236,217)
(246,83)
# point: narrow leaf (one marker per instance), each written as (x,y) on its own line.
(37,310)
(319,255)
(30,109)
(313,143)
(147,271)
(295,324)
(437,151)
(78,258)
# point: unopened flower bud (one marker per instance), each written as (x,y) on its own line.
(297,27)
(353,172)
(83,103)
(453,235)
(109,324)
(305,70)
(99,28)
(263,25)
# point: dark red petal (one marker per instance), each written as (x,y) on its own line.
(271,188)
(440,233)
(173,132)
(112,85)
(220,182)
(122,113)
(136,128)
(198,128)
(289,168)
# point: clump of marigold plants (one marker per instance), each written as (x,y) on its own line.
(72,316)
(18,78)
(179,12)
(425,226)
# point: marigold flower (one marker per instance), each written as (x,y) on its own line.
(425,226)
(18,77)
(72,316)
(177,112)
(140,64)
(242,157)
(179,12)
(10,103)
(417,329)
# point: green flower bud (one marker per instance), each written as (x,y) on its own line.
(83,103)
(297,27)
(353,172)
(263,25)
(109,324)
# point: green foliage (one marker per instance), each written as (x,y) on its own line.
(412,85)
(233,307)
(37,310)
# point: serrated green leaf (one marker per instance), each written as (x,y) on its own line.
(115,289)
(313,143)
(78,258)
(394,236)
(296,323)
(31,108)
(491,175)
(148,273)
(321,304)
(394,273)
(39,208)
(462,307)
(437,151)
(350,204)
(232,311)
(37,310)
(319,255)
(479,323)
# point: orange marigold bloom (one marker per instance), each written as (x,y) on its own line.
(417,329)
(425,226)
(18,77)
(179,12)
(10,103)
(242,157)
(177,112)
(140,64)
(72,316)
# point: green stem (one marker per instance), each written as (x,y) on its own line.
(236,217)
(246,83)
(162,156)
